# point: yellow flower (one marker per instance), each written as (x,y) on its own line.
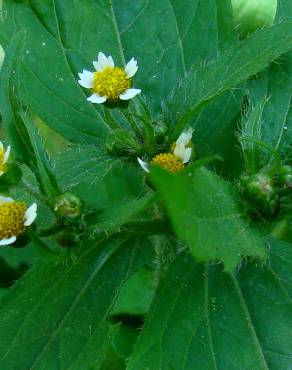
(109,82)
(14,218)
(4,156)
(181,152)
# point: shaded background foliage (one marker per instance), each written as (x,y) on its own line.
(127,296)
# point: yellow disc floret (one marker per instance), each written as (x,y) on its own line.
(12,216)
(111,82)
(2,164)
(168,161)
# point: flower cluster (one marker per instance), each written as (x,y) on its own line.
(174,161)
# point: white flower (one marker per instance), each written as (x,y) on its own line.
(175,161)
(4,156)
(109,82)
(14,218)
(183,149)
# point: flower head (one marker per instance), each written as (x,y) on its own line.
(14,218)
(4,156)
(174,161)
(109,82)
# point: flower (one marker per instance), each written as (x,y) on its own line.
(174,161)
(109,82)
(4,156)
(14,218)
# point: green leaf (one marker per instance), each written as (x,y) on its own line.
(203,318)
(235,65)
(87,162)
(55,315)
(205,214)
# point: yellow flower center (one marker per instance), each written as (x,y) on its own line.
(111,82)
(168,161)
(12,219)
(2,164)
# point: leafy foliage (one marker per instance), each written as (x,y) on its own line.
(130,270)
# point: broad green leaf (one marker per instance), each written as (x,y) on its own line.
(86,162)
(235,65)
(55,315)
(203,318)
(205,213)
(113,217)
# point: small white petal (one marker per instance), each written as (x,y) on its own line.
(5,199)
(98,67)
(103,60)
(143,164)
(131,68)
(187,156)
(129,94)
(7,153)
(7,241)
(95,98)
(1,145)
(185,137)
(86,79)
(110,61)
(179,151)
(30,215)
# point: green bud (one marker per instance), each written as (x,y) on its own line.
(68,206)
(284,177)
(121,142)
(250,15)
(260,192)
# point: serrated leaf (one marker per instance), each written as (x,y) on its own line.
(235,65)
(55,316)
(203,318)
(206,215)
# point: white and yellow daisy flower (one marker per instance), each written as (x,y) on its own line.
(15,217)
(109,83)
(4,156)
(174,161)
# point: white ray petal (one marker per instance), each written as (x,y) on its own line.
(110,61)
(129,94)
(187,156)
(30,215)
(1,145)
(131,68)
(7,241)
(97,99)
(7,153)
(143,164)
(86,79)
(185,137)
(103,60)
(5,199)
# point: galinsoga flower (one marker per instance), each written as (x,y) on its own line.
(109,82)
(4,156)
(174,161)
(14,218)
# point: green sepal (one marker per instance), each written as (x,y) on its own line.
(122,142)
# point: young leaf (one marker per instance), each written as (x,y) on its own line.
(56,313)
(235,65)
(205,214)
(203,318)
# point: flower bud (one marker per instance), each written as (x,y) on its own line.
(68,206)
(250,15)
(259,191)
(121,142)
(284,177)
